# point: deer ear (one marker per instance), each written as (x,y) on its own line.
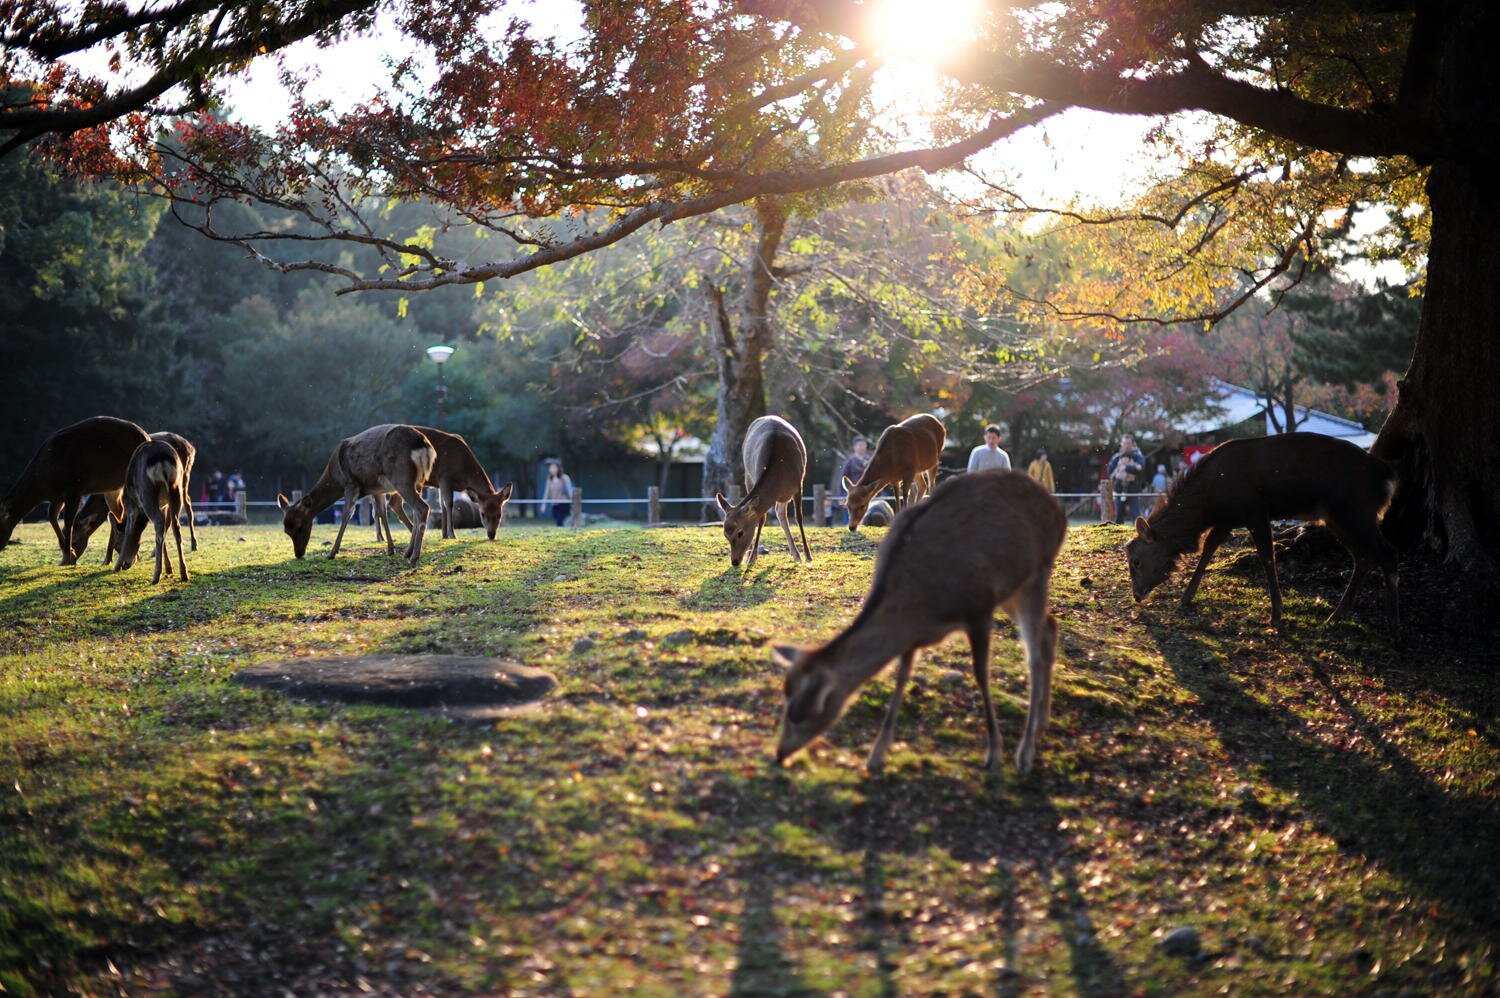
(505,492)
(786,656)
(723,503)
(282,500)
(848,485)
(1143,529)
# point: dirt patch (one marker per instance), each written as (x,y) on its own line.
(465,687)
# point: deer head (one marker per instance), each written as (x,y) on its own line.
(740,523)
(859,498)
(816,696)
(492,508)
(297,522)
(1151,559)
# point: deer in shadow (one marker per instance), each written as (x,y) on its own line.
(1248,483)
(391,457)
(89,456)
(982,541)
(775,461)
(906,456)
(96,510)
(154,487)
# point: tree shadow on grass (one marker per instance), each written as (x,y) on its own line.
(1381,806)
(1002,829)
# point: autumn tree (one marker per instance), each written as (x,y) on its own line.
(664,111)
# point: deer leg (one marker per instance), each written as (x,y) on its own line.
(383,504)
(54,510)
(801,530)
(1039,633)
(783,516)
(187,505)
(876,762)
(1211,544)
(176,504)
(755,544)
(420,510)
(979,647)
(69,515)
(1261,531)
(159,522)
(445,496)
(350,496)
(399,509)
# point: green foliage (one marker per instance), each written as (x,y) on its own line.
(81,328)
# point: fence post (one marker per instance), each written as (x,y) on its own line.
(653,507)
(296,495)
(820,498)
(1106,501)
(242,505)
(577,506)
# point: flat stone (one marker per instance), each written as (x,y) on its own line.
(464,687)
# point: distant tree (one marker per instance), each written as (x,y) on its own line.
(81,328)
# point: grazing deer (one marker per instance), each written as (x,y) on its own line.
(457,469)
(88,456)
(1247,483)
(983,540)
(153,492)
(95,510)
(906,456)
(775,465)
(392,457)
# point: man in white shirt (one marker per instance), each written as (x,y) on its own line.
(988,454)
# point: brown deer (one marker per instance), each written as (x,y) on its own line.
(983,540)
(1247,483)
(391,457)
(95,510)
(906,456)
(458,470)
(88,456)
(775,465)
(879,514)
(154,493)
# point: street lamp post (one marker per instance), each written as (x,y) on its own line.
(440,355)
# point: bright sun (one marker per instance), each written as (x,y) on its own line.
(924,31)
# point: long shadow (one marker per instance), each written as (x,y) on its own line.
(908,815)
(1383,808)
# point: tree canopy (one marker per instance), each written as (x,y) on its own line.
(669,110)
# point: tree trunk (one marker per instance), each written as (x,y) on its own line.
(1442,436)
(741,396)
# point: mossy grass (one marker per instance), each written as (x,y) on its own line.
(1320,807)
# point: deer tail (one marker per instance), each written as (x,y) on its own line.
(423,458)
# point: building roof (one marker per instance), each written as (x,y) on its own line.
(1234,404)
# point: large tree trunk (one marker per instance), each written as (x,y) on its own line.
(741,396)
(1443,435)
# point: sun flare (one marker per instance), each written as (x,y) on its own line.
(924,31)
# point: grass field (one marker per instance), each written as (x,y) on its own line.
(1321,809)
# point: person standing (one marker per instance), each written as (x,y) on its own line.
(988,454)
(854,467)
(1126,473)
(558,495)
(1041,470)
(1159,482)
